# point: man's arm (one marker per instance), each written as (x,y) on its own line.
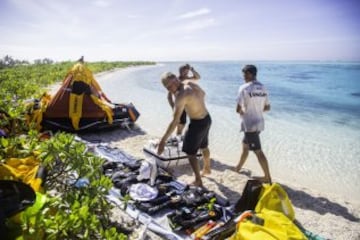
(267,103)
(196,75)
(239,110)
(179,108)
(170,99)
(240,100)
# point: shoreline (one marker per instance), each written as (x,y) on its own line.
(325,214)
(53,88)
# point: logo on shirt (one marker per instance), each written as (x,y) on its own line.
(257,94)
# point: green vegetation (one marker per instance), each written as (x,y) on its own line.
(19,81)
(70,212)
(22,81)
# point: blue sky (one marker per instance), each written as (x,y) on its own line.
(181,30)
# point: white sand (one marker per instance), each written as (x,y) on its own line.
(330,217)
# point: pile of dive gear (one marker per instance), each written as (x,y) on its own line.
(185,207)
(264,211)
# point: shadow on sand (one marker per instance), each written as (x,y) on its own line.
(113,135)
(321,205)
(233,195)
(299,198)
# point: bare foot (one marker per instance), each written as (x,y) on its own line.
(197,183)
(262,179)
(236,169)
(205,171)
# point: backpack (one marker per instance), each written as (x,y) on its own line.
(273,197)
(250,196)
(269,225)
(272,218)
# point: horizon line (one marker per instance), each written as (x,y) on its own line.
(189,60)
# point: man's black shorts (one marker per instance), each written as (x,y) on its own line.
(183,118)
(253,140)
(197,135)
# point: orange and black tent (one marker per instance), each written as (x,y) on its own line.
(79,105)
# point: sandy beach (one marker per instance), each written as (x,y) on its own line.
(329,216)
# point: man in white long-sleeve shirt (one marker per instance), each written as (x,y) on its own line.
(252,101)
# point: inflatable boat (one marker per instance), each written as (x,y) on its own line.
(79,105)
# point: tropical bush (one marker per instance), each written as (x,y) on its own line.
(72,210)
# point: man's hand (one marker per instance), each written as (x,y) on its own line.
(267,108)
(196,75)
(161,147)
(179,108)
(239,110)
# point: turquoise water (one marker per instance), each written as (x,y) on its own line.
(312,134)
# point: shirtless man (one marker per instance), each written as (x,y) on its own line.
(189,97)
(184,75)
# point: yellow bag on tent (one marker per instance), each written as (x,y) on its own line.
(34,114)
(267,225)
(273,197)
(80,73)
(75,109)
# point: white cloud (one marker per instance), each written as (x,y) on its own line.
(192,14)
(101,3)
(199,24)
(183,31)
(133,16)
(189,37)
(129,30)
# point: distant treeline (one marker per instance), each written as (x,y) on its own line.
(8,61)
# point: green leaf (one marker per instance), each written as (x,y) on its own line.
(75,205)
(4,142)
(84,212)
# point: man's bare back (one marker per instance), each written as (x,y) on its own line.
(192,97)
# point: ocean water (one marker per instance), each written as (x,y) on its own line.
(312,133)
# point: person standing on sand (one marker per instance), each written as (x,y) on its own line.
(189,97)
(184,75)
(252,101)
